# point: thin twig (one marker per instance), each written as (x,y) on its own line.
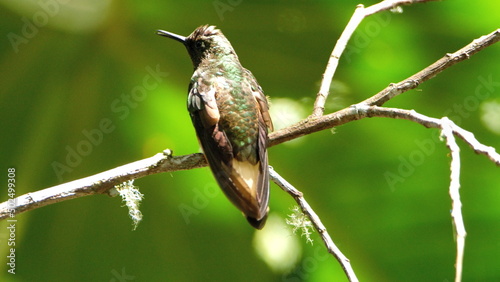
(333,62)
(359,14)
(316,221)
(456,211)
(431,71)
(467,136)
(478,148)
(343,116)
(449,130)
(390,4)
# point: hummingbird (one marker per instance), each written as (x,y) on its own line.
(230,114)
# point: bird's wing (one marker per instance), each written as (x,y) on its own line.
(242,181)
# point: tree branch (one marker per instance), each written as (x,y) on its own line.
(411,115)
(316,221)
(431,71)
(359,14)
(313,124)
(456,210)
(449,130)
(100,183)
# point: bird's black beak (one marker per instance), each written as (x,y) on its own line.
(174,36)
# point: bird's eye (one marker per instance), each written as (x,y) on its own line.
(200,44)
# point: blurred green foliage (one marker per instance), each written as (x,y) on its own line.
(67,68)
